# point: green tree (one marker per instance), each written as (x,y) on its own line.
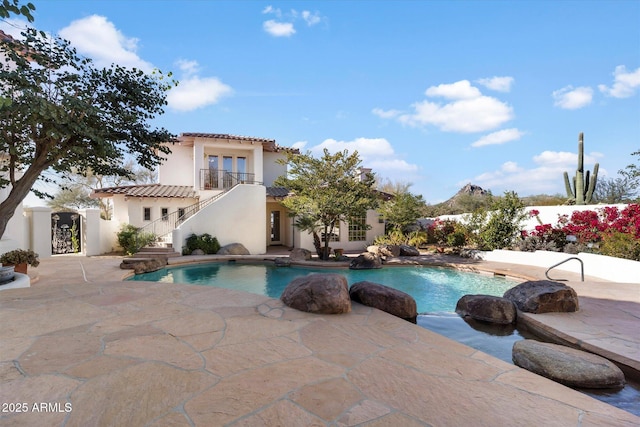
(503,224)
(614,190)
(75,188)
(632,174)
(327,190)
(402,210)
(64,114)
(13,7)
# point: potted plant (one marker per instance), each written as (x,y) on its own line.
(20,258)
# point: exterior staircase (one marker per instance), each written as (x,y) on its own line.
(156,252)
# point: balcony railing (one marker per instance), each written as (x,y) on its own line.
(219,179)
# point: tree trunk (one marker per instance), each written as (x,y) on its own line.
(19,191)
(317,244)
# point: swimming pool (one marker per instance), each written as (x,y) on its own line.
(435,289)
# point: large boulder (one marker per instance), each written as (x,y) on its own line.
(366,261)
(144,266)
(406,250)
(300,254)
(487,308)
(543,296)
(384,251)
(233,249)
(568,366)
(384,298)
(318,293)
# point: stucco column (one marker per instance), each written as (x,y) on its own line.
(91,244)
(40,230)
(258,168)
(198,163)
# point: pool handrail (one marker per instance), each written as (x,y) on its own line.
(546,273)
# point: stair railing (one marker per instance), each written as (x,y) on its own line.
(546,273)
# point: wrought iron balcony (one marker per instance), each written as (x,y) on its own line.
(219,179)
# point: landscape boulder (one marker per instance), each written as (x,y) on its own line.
(487,308)
(233,249)
(568,366)
(543,296)
(384,298)
(282,262)
(406,250)
(366,261)
(318,293)
(140,266)
(300,254)
(384,251)
(198,252)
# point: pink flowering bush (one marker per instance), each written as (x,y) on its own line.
(615,232)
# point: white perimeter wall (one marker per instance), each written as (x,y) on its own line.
(599,266)
(236,217)
(548,214)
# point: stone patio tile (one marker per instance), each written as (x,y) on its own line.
(395,420)
(12,348)
(230,359)
(99,366)
(447,401)
(243,393)
(212,298)
(598,420)
(281,413)
(324,337)
(125,331)
(163,348)
(327,399)
(39,388)
(366,410)
(51,354)
(172,419)
(9,372)
(134,395)
(33,418)
(251,328)
(535,384)
(41,320)
(200,329)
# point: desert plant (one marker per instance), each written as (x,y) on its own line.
(583,186)
(131,240)
(20,256)
(503,224)
(205,242)
(621,245)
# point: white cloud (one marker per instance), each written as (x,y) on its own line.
(571,98)
(389,114)
(467,111)
(99,39)
(466,116)
(187,67)
(625,84)
(195,92)
(457,90)
(311,18)
(278,29)
(375,153)
(499,137)
(546,176)
(299,145)
(500,84)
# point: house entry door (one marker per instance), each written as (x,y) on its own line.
(275,228)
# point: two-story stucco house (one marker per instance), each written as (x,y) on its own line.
(223,185)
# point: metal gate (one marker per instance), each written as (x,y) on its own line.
(66,232)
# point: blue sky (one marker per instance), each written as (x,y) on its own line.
(433,93)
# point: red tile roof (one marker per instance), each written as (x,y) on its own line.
(267,144)
(147,190)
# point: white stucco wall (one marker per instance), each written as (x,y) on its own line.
(272,169)
(131,211)
(598,266)
(177,169)
(236,217)
(303,239)
(548,214)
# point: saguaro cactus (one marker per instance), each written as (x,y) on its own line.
(583,186)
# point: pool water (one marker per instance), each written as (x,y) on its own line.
(434,289)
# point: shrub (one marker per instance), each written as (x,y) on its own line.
(457,239)
(621,245)
(131,240)
(503,225)
(20,256)
(204,242)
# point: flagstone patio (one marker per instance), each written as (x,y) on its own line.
(83,348)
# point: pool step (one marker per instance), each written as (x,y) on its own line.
(156,252)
